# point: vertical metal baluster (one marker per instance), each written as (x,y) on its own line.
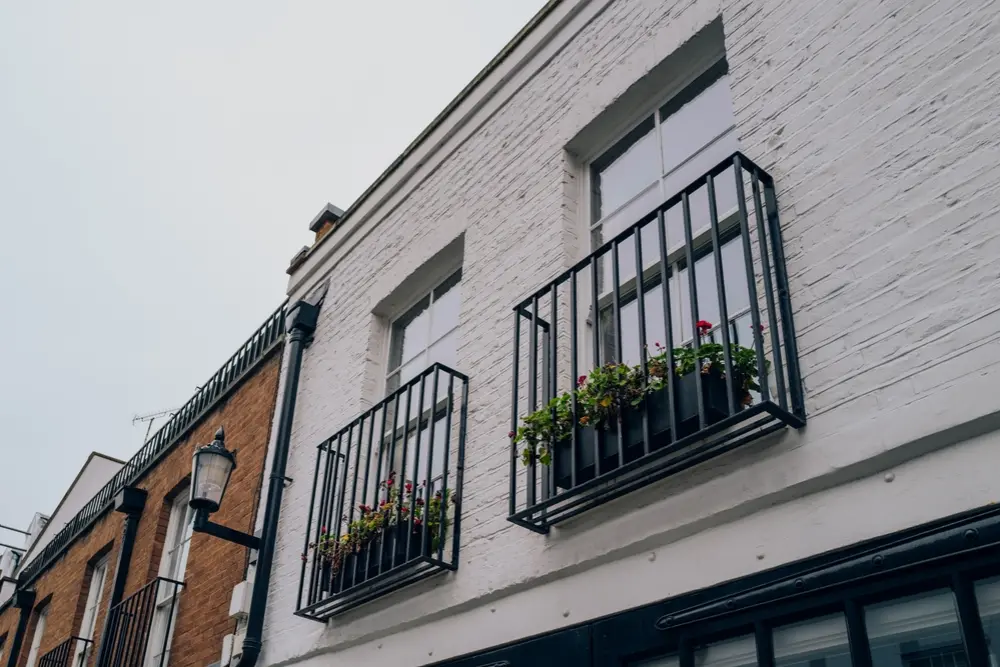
(367,482)
(340,492)
(449,407)
(355,475)
(595,311)
(640,300)
(779,371)
(460,472)
(616,317)
(390,460)
(693,293)
(402,466)
(765,644)
(720,284)
(548,482)
(416,469)
(309,528)
(326,499)
(425,546)
(573,322)
(751,280)
(533,395)
(170,618)
(512,502)
(784,301)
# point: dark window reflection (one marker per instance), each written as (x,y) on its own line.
(820,642)
(918,631)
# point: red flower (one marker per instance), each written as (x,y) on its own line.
(580,380)
(704,326)
(390,481)
(510,434)
(409,486)
(416,522)
(761,327)
(304,558)
(323,530)
(420,501)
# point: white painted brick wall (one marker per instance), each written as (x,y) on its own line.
(878,122)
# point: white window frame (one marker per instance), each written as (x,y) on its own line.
(36,637)
(425,352)
(432,407)
(676,253)
(88,625)
(178,539)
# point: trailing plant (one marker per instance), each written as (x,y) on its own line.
(395,508)
(551,424)
(601,396)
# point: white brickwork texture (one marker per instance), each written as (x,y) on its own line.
(879,124)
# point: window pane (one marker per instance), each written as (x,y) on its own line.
(447,304)
(409,334)
(988,594)
(445,351)
(734,273)
(918,631)
(739,652)
(686,130)
(821,642)
(629,174)
(419,474)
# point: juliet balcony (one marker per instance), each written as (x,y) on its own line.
(139,628)
(670,345)
(71,653)
(385,510)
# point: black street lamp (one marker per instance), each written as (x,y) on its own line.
(211,467)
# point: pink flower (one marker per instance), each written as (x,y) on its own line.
(511,434)
(323,530)
(580,380)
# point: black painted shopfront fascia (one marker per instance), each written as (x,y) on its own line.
(916,598)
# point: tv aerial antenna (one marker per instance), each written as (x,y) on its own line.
(151,417)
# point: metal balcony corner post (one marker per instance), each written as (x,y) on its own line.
(130,501)
(25,602)
(300,323)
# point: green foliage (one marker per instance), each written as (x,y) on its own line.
(371,524)
(601,396)
(541,428)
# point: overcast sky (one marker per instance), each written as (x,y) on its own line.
(159,166)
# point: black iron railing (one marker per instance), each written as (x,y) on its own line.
(71,653)
(138,629)
(246,358)
(386,501)
(670,344)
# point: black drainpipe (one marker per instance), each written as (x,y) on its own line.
(300,323)
(130,502)
(25,601)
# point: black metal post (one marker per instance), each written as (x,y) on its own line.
(301,323)
(25,601)
(130,502)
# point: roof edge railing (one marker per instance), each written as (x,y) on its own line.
(244,360)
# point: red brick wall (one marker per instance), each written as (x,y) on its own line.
(213,566)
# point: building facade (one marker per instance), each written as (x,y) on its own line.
(671,341)
(119,577)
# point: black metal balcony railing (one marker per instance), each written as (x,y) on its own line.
(71,653)
(686,320)
(267,336)
(386,505)
(138,628)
